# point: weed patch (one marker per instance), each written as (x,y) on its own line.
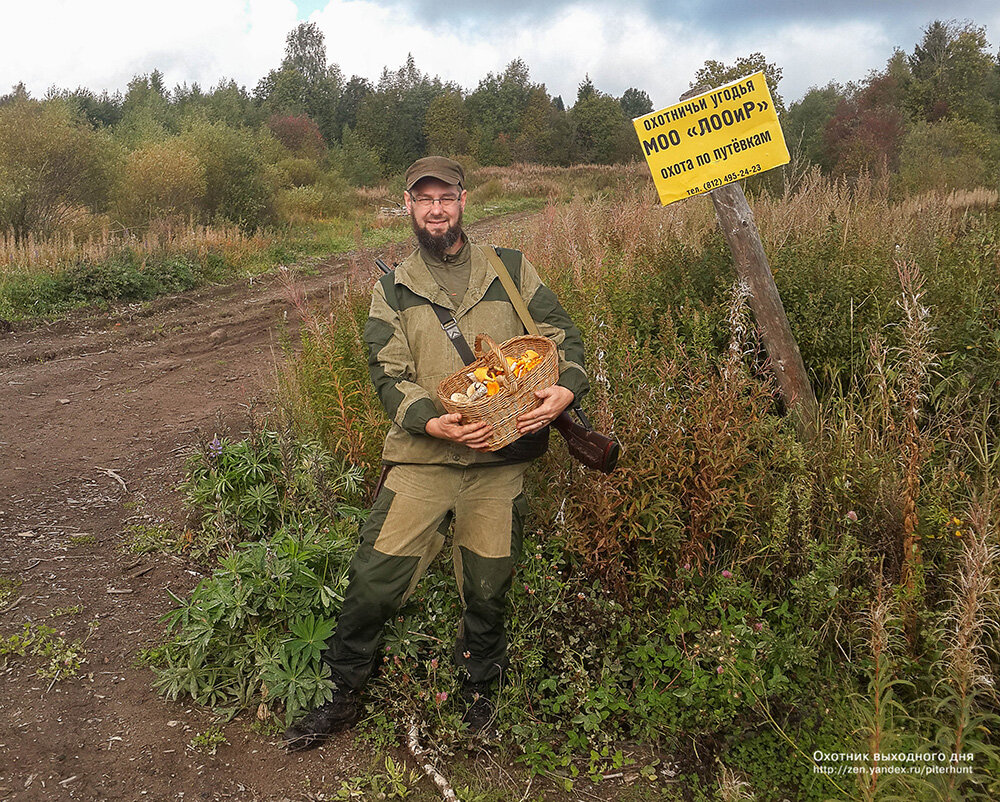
(9,588)
(55,657)
(208,742)
(151,539)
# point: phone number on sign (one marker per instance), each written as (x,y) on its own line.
(715,183)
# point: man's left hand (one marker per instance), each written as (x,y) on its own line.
(554,400)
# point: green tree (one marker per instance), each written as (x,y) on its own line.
(946,155)
(538,130)
(18,92)
(304,84)
(355,161)
(635,103)
(351,98)
(226,102)
(101,111)
(446,125)
(496,109)
(163,179)
(240,184)
(954,75)
(601,134)
(805,123)
(559,147)
(586,90)
(146,111)
(51,160)
(305,52)
(715,73)
(391,119)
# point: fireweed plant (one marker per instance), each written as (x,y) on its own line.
(732,604)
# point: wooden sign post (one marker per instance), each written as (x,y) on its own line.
(706,143)
(740,230)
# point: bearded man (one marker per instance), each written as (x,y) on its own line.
(439,471)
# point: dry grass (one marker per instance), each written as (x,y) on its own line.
(33,256)
(865,211)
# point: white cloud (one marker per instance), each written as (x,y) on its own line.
(101,44)
(559,48)
(629,49)
(814,55)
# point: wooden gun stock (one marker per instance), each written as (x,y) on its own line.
(590,447)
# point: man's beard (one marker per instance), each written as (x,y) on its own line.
(438,244)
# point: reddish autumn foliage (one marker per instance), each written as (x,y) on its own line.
(859,139)
(299,134)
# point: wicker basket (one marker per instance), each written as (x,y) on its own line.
(502,410)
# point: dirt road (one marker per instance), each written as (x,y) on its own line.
(96,413)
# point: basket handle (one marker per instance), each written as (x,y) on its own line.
(492,346)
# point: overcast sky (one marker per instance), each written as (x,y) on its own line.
(655,45)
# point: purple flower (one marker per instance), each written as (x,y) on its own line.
(440,698)
(758,626)
(852,516)
(719,670)
(727,574)
(215,447)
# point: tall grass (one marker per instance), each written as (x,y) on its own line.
(48,256)
(324,387)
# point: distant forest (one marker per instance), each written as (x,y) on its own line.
(930,119)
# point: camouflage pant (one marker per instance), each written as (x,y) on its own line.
(404,532)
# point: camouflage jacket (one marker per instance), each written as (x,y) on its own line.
(409,353)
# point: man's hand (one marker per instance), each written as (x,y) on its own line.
(554,400)
(450,427)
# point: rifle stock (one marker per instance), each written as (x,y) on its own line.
(590,447)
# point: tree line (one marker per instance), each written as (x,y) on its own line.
(295,145)
(300,139)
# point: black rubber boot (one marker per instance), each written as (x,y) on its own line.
(479,712)
(340,713)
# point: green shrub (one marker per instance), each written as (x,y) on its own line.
(945,155)
(50,163)
(162,179)
(299,172)
(325,386)
(303,204)
(252,633)
(246,490)
(239,185)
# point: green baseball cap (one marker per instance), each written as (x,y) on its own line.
(439,167)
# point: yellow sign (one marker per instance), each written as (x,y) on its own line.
(713,139)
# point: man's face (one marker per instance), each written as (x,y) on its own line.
(436,214)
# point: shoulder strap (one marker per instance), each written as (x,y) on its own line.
(512,291)
(450,326)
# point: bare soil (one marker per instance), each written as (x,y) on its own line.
(96,414)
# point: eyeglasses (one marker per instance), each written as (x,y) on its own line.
(446,201)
